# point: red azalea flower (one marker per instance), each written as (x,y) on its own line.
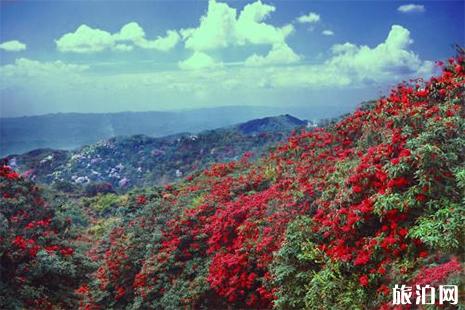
(363,280)
(141,200)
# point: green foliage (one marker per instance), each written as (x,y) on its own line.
(294,264)
(41,263)
(444,230)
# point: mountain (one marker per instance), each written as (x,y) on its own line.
(336,217)
(126,162)
(270,124)
(72,130)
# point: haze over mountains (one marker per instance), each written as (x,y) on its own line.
(140,160)
(72,130)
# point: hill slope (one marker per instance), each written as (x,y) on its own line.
(126,162)
(332,219)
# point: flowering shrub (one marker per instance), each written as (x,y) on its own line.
(334,217)
(39,266)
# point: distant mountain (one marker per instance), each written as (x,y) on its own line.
(270,124)
(72,130)
(139,160)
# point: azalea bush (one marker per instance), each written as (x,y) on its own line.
(40,263)
(332,219)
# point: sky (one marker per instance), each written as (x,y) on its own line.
(110,56)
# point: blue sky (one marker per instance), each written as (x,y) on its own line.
(108,56)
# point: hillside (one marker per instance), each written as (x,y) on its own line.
(127,162)
(72,130)
(333,218)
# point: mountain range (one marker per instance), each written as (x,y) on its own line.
(72,130)
(126,161)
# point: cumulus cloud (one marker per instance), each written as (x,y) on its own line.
(411,8)
(24,67)
(91,40)
(32,79)
(164,44)
(13,46)
(279,54)
(327,32)
(354,66)
(348,66)
(252,29)
(388,60)
(216,29)
(134,33)
(310,18)
(206,80)
(130,32)
(222,26)
(85,40)
(198,61)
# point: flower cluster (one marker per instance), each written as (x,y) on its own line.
(36,249)
(362,186)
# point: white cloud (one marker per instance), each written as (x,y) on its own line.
(251,28)
(410,8)
(222,26)
(216,29)
(310,18)
(198,61)
(91,40)
(355,66)
(327,32)
(350,66)
(28,69)
(13,46)
(279,54)
(123,47)
(163,44)
(130,32)
(85,40)
(206,80)
(391,59)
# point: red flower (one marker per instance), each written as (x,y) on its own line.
(383,289)
(120,292)
(141,200)
(67,251)
(420,197)
(362,259)
(398,182)
(458,68)
(363,280)
(423,254)
(357,189)
(403,232)
(404,153)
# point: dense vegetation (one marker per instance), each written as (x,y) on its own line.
(332,219)
(125,162)
(40,262)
